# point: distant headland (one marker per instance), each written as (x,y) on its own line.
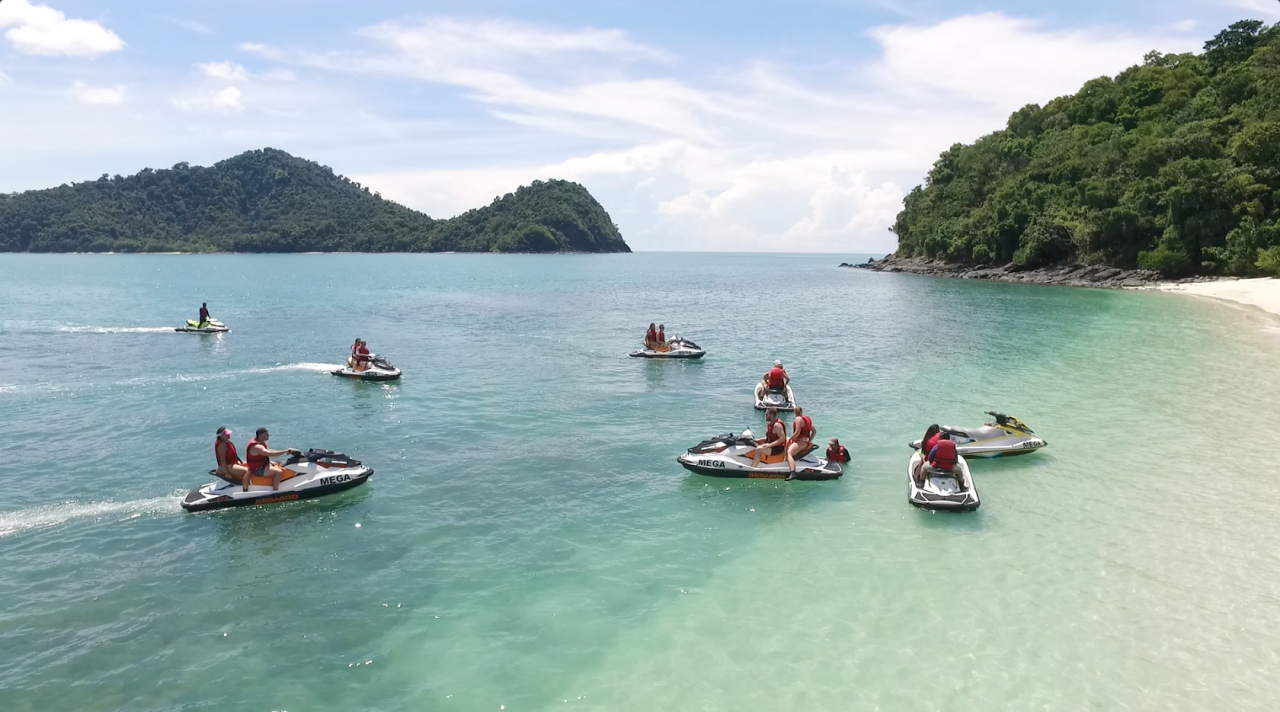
(270,201)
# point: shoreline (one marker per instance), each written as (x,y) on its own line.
(1260,292)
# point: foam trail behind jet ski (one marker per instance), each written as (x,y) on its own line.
(54,514)
(305,366)
(116,329)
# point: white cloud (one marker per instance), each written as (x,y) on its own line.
(222,101)
(5,78)
(98,95)
(1265,8)
(40,29)
(226,71)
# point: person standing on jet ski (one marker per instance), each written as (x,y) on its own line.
(258,458)
(204,315)
(359,355)
(777,377)
(801,440)
(774,440)
(229,464)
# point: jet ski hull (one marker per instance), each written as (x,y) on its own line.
(783,403)
(727,456)
(680,348)
(940,491)
(214,327)
(369,375)
(1006,437)
(312,478)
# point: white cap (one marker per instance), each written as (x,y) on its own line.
(777,362)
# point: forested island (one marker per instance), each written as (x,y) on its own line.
(1172,166)
(270,201)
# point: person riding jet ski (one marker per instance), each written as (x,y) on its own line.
(774,441)
(359,358)
(801,439)
(229,465)
(651,338)
(204,315)
(774,390)
(940,479)
(258,459)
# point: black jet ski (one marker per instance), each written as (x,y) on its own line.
(676,348)
(314,473)
(379,369)
(941,489)
(781,399)
(213,326)
(1005,437)
(730,456)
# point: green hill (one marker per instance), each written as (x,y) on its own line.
(270,201)
(1173,165)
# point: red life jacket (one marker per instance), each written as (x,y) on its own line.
(803,429)
(943,456)
(775,376)
(927,446)
(769,434)
(662,337)
(650,336)
(233,457)
(837,453)
(253,461)
(204,314)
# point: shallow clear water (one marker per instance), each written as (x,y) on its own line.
(528,540)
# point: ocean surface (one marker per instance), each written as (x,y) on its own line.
(529,542)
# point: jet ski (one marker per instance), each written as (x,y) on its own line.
(1006,436)
(676,348)
(730,456)
(941,489)
(213,326)
(314,473)
(379,369)
(780,398)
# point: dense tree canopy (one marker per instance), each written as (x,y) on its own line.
(270,201)
(1172,165)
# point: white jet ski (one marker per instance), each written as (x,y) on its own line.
(780,398)
(379,369)
(730,456)
(1006,436)
(213,326)
(676,348)
(941,489)
(314,473)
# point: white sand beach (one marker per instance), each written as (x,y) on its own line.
(1263,292)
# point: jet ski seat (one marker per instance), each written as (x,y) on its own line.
(257,479)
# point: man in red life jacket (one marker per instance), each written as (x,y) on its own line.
(258,458)
(837,452)
(776,377)
(229,465)
(661,339)
(943,455)
(651,338)
(359,355)
(802,433)
(774,441)
(204,315)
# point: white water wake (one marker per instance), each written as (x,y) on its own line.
(54,514)
(304,366)
(116,329)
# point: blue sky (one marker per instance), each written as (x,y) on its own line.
(790,125)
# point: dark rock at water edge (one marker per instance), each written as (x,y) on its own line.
(1069,275)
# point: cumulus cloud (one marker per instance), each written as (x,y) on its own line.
(1268,9)
(226,71)
(98,95)
(42,30)
(221,101)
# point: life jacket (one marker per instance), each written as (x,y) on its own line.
(769,434)
(233,457)
(255,462)
(650,336)
(662,337)
(775,377)
(927,445)
(803,429)
(204,314)
(943,456)
(837,453)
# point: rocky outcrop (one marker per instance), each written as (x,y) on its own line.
(1072,275)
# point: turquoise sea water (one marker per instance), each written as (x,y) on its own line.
(528,541)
